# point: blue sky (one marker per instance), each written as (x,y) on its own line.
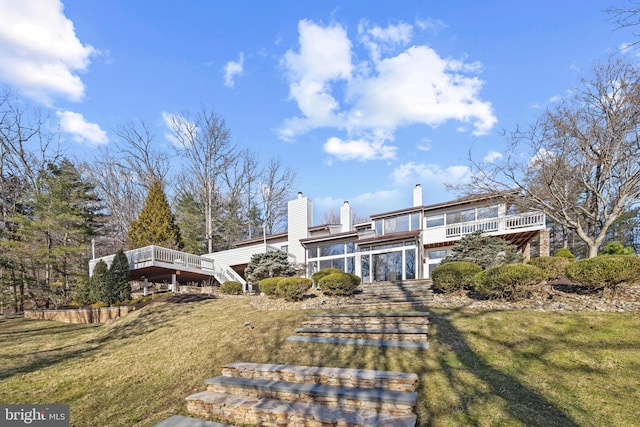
(363,99)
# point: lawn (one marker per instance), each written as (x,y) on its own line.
(483,367)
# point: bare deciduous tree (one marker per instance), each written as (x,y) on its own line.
(580,161)
(276,191)
(204,142)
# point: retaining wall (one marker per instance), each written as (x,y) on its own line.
(80,315)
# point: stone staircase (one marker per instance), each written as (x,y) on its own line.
(288,395)
(407,330)
(406,293)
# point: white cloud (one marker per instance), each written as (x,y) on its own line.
(324,56)
(80,129)
(179,130)
(414,86)
(381,40)
(233,69)
(39,51)
(434,25)
(492,156)
(359,149)
(430,174)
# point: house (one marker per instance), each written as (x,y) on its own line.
(399,245)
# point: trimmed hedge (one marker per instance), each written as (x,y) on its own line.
(293,288)
(553,266)
(564,253)
(231,287)
(604,272)
(269,286)
(339,284)
(324,272)
(454,276)
(512,282)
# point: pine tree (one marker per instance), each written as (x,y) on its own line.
(118,277)
(156,224)
(486,251)
(98,283)
(269,264)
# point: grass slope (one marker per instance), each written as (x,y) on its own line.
(483,367)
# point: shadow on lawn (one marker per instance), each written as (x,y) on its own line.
(521,402)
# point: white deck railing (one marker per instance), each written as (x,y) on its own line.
(512,222)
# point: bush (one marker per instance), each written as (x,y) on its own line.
(553,266)
(617,248)
(231,287)
(486,251)
(512,282)
(293,288)
(564,253)
(604,272)
(269,286)
(454,276)
(340,284)
(324,272)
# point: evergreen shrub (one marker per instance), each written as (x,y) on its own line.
(511,282)
(454,276)
(293,288)
(604,272)
(231,287)
(269,286)
(564,253)
(553,266)
(324,272)
(339,284)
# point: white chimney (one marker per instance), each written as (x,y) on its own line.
(345,216)
(417,196)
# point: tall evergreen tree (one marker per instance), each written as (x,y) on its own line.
(118,277)
(98,282)
(156,224)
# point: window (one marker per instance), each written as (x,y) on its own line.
(461,216)
(437,254)
(365,262)
(410,264)
(390,225)
(284,248)
(378,225)
(312,253)
(351,247)
(402,223)
(435,221)
(415,221)
(488,212)
(328,250)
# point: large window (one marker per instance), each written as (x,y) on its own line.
(435,221)
(398,224)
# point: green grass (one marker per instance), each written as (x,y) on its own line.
(483,367)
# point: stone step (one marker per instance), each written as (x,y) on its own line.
(182,421)
(361,378)
(387,298)
(379,289)
(359,341)
(390,314)
(408,334)
(349,398)
(382,304)
(368,323)
(242,410)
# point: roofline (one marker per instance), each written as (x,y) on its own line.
(457,202)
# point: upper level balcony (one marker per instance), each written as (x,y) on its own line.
(509,224)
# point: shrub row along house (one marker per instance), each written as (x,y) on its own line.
(400,245)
